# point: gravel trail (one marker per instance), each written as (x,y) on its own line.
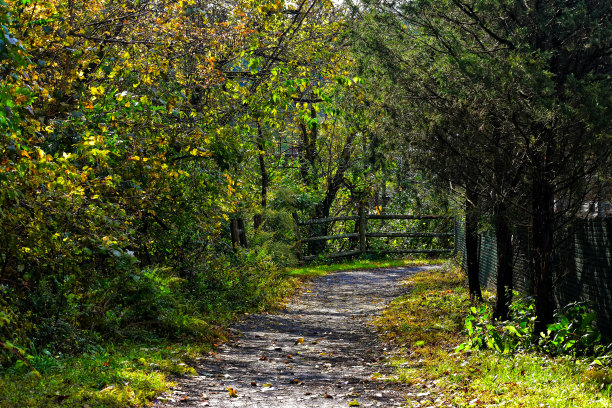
(317,352)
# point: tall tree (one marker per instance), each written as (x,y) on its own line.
(518,90)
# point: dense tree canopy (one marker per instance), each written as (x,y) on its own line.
(133,131)
(507,99)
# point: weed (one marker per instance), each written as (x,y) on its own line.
(572,331)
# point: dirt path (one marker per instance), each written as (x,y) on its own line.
(318,352)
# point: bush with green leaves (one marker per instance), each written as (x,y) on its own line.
(572,332)
(503,337)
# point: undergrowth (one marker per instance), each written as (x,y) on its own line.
(427,325)
(139,334)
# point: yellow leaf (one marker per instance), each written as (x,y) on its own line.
(97,91)
(232,392)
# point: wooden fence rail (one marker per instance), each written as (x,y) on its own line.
(361,237)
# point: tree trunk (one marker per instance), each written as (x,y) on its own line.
(362,228)
(242,233)
(298,237)
(235,234)
(471,245)
(308,151)
(265,177)
(503,239)
(334,183)
(542,224)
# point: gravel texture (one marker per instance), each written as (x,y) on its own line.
(319,351)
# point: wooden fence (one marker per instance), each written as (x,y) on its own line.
(363,234)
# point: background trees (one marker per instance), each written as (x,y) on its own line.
(490,96)
(133,131)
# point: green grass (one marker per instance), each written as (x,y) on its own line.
(425,327)
(314,270)
(126,375)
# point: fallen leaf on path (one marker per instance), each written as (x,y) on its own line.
(354,403)
(254,384)
(300,341)
(263,358)
(327,396)
(232,392)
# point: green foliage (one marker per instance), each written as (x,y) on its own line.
(156,311)
(119,376)
(571,333)
(274,241)
(125,147)
(425,355)
(501,98)
(503,337)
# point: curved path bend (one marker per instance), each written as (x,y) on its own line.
(317,352)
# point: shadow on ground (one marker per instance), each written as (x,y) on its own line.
(318,352)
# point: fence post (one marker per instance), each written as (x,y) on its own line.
(298,238)
(362,228)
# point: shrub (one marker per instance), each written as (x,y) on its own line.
(572,332)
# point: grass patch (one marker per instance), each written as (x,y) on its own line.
(426,326)
(314,270)
(127,375)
